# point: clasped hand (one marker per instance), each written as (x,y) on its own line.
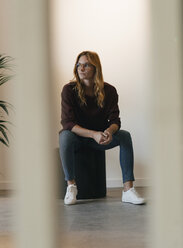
(103,138)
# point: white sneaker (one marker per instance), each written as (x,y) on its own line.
(131,196)
(70,196)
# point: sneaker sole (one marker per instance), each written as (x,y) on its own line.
(136,203)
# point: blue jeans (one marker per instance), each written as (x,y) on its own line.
(70,143)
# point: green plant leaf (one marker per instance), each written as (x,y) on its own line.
(4,61)
(4,142)
(4,134)
(3,126)
(1,121)
(4,66)
(9,104)
(4,79)
(4,107)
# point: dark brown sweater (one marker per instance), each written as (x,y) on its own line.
(89,116)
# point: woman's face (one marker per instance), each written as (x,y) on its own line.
(85,70)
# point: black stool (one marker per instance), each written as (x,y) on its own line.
(90,174)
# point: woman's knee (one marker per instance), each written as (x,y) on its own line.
(66,138)
(124,135)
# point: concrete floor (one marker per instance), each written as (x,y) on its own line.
(96,223)
(105,223)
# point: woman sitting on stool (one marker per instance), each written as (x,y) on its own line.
(90,114)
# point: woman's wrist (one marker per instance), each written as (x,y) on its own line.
(112,129)
(91,134)
(109,131)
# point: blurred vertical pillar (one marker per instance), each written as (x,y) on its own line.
(167,100)
(34,163)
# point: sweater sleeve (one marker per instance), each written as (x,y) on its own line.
(68,120)
(113,109)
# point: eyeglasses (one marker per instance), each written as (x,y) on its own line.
(85,65)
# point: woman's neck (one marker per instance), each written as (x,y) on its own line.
(89,88)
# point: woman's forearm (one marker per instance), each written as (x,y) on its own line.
(84,132)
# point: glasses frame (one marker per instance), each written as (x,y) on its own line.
(85,65)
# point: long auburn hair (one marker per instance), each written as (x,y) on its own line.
(93,59)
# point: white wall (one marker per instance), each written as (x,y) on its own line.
(119,32)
